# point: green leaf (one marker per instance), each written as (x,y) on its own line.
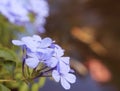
(4,88)
(18,75)
(24,87)
(10,66)
(41,81)
(35,87)
(39,84)
(7,54)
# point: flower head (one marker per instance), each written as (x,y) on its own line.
(64,78)
(10,8)
(58,60)
(45,51)
(18,11)
(61,73)
(37,49)
(32,43)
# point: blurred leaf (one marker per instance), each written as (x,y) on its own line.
(10,66)
(39,84)
(18,82)
(4,88)
(18,75)
(41,81)
(24,87)
(35,87)
(7,54)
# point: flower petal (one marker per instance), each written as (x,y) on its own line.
(56,75)
(70,78)
(65,84)
(46,42)
(32,54)
(36,38)
(58,51)
(45,53)
(32,62)
(66,60)
(52,62)
(48,53)
(17,42)
(63,67)
(28,41)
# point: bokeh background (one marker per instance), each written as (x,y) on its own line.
(89,31)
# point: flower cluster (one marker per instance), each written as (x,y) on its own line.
(14,11)
(18,12)
(45,51)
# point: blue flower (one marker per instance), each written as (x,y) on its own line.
(31,43)
(39,23)
(14,10)
(34,58)
(58,60)
(62,67)
(37,49)
(32,61)
(39,7)
(35,43)
(17,12)
(65,79)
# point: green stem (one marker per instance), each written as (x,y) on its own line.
(7,80)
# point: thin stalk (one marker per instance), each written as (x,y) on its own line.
(42,73)
(7,80)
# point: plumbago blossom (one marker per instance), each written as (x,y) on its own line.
(18,12)
(45,51)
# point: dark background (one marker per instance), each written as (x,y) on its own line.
(99,16)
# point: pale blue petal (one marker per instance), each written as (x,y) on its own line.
(43,10)
(32,54)
(58,51)
(39,21)
(70,78)
(36,38)
(32,45)
(11,11)
(3,1)
(17,42)
(66,60)
(63,67)
(45,50)
(52,62)
(72,71)
(56,75)
(46,42)
(26,39)
(48,53)
(32,62)
(45,53)
(65,84)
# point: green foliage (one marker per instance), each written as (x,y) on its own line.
(7,54)
(10,66)
(8,60)
(23,87)
(36,86)
(8,32)
(41,82)
(4,88)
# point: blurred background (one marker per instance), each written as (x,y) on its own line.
(89,31)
